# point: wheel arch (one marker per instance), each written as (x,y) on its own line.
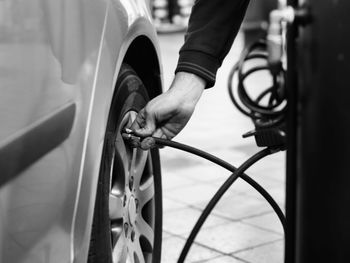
(143,58)
(142,54)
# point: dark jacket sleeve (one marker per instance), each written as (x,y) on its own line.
(212,28)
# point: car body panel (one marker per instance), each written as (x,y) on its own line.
(59,63)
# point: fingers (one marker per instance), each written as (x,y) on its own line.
(147,143)
(160,134)
(144,124)
(136,142)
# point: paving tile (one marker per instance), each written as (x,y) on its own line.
(171,205)
(277,193)
(166,235)
(178,161)
(268,222)
(239,186)
(172,247)
(208,173)
(233,237)
(192,195)
(221,259)
(272,172)
(171,180)
(270,253)
(263,179)
(181,222)
(237,207)
(272,167)
(245,150)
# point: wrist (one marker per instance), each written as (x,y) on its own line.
(188,86)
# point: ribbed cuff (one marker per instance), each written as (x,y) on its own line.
(199,63)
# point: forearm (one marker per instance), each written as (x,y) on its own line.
(212,29)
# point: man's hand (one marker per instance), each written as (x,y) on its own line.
(167,114)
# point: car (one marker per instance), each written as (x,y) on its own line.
(74,74)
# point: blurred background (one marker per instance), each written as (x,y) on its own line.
(242,228)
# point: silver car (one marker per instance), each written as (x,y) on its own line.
(73,75)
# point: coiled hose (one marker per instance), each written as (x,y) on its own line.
(263,115)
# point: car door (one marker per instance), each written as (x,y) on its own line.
(48,59)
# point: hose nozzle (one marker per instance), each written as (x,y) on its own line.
(135,141)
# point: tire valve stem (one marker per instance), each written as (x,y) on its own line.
(130,138)
(128,131)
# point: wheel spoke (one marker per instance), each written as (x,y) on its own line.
(115,207)
(120,143)
(139,254)
(137,251)
(122,151)
(138,164)
(128,259)
(146,191)
(116,232)
(145,230)
(120,250)
(133,161)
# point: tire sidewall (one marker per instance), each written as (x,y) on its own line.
(130,95)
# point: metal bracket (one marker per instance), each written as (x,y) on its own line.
(279,18)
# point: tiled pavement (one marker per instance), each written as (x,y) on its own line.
(242,228)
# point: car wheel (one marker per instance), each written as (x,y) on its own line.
(127,223)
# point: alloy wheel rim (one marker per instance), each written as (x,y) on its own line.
(131,200)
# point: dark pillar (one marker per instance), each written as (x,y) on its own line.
(291,174)
(323,139)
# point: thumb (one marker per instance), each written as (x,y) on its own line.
(144,125)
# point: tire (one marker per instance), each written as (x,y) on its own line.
(127,222)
